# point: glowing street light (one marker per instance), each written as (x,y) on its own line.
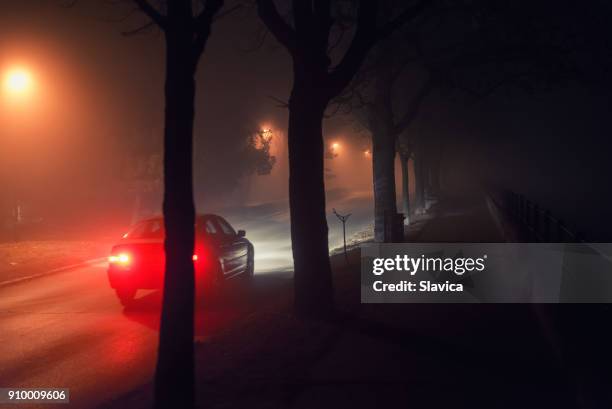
(266,134)
(17,84)
(367,153)
(18,81)
(332,151)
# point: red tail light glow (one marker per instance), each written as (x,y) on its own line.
(121,259)
(124,259)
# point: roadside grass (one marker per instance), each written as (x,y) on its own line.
(27,258)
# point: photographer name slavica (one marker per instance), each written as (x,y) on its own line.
(412,265)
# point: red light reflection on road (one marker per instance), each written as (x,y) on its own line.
(210,317)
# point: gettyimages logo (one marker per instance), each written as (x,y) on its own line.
(413,265)
(486,273)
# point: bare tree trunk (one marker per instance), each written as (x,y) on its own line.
(312,271)
(174,378)
(405,188)
(435,176)
(419,180)
(385,207)
(314,85)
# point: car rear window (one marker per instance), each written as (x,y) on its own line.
(225,226)
(150,229)
(210,227)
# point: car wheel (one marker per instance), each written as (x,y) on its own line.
(125,295)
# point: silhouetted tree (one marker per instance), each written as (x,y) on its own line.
(386,94)
(424,151)
(256,153)
(316,81)
(404,150)
(186,27)
(470,47)
(256,160)
(386,122)
(419,179)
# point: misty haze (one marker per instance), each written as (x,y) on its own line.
(187,187)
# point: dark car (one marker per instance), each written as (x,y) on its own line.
(138,260)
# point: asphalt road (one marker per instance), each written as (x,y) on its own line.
(68,330)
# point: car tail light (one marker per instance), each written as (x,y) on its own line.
(125,259)
(122,259)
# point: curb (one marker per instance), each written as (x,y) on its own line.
(53,271)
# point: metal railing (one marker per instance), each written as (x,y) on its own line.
(539,224)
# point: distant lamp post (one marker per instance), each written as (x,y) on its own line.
(332,151)
(17,85)
(343,219)
(266,134)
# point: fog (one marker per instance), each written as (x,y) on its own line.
(95,113)
(263,210)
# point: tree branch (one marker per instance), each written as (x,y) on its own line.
(303,17)
(282,31)
(227,12)
(140,29)
(323,21)
(414,107)
(205,18)
(364,39)
(152,12)
(366,36)
(279,102)
(405,17)
(503,82)
(322,9)
(202,27)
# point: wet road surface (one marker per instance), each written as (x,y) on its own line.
(68,330)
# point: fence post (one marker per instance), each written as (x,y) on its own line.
(536,222)
(527,213)
(560,231)
(542,226)
(547,226)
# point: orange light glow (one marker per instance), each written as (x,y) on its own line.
(195,257)
(18,81)
(367,153)
(335,145)
(266,134)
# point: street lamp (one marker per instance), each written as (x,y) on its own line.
(333,150)
(17,85)
(266,134)
(343,218)
(18,82)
